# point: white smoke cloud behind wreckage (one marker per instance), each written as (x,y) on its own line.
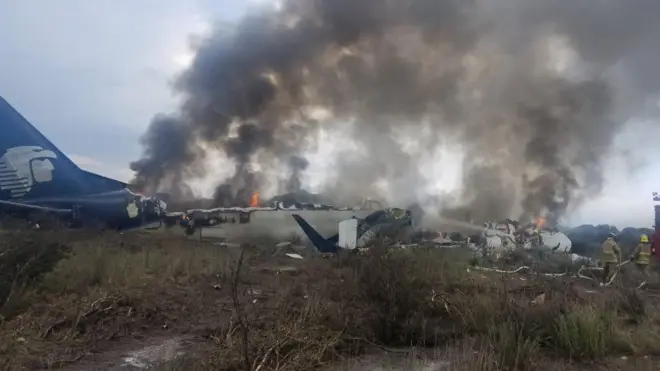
(331,143)
(442,175)
(579,96)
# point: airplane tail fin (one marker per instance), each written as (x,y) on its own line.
(324,245)
(32,167)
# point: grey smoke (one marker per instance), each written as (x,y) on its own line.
(485,74)
(168,145)
(297,166)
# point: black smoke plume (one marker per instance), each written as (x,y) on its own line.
(297,166)
(534,92)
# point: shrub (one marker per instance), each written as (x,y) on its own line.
(25,257)
(585,333)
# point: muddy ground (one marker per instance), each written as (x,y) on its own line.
(109,301)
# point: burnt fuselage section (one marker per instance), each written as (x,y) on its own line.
(192,219)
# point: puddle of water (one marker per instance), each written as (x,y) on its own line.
(127,357)
(391,362)
(149,356)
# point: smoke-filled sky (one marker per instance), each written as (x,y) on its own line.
(506,105)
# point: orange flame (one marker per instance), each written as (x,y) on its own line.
(254,200)
(540,222)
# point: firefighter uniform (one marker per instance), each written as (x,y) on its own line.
(642,254)
(610,256)
(536,238)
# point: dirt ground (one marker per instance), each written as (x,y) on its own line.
(111,301)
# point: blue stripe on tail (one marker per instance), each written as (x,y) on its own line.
(324,245)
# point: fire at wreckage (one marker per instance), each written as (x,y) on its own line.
(396,228)
(395,225)
(37,179)
(39,183)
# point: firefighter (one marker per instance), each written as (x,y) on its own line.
(642,254)
(536,238)
(610,256)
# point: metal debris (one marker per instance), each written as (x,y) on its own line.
(579,274)
(252,291)
(519,269)
(540,299)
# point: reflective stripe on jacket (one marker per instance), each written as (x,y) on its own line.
(642,253)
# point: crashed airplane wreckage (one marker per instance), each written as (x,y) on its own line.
(509,234)
(394,224)
(358,232)
(193,219)
(352,233)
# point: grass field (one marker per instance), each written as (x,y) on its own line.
(83,302)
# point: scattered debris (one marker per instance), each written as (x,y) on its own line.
(281,269)
(252,291)
(540,299)
(519,269)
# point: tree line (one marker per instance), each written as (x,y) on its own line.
(587,239)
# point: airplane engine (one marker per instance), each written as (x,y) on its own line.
(498,236)
(498,243)
(555,241)
(502,236)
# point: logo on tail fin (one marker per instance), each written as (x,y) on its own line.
(22,167)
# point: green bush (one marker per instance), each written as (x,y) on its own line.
(25,256)
(585,333)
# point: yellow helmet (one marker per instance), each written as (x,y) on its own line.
(643,238)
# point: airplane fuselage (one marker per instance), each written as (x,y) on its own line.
(119,209)
(38,179)
(359,232)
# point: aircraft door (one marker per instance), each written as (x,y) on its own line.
(348,234)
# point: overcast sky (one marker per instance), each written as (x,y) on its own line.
(91,74)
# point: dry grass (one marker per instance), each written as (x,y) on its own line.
(101,291)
